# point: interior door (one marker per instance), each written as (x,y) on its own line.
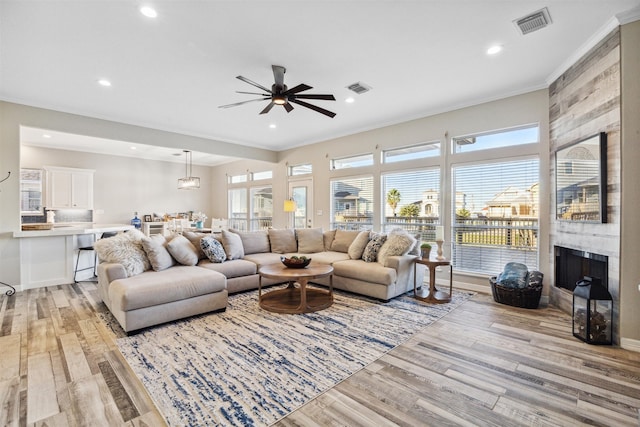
(302,193)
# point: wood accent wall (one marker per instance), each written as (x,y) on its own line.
(583,101)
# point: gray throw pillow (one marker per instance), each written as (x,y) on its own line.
(370,253)
(356,248)
(195,239)
(310,240)
(183,250)
(155,246)
(232,244)
(282,241)
(254,242)
(213,249)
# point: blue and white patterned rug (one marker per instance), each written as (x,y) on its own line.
(250,367)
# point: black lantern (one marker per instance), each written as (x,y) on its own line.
(592,311)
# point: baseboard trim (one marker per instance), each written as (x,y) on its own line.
(629,344)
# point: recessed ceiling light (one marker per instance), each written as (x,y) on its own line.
(46,135)
(350,100)
(149,12)
(104,82)
(494,50)
(272,126)
(133,148)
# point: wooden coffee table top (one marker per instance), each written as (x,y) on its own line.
(280,271)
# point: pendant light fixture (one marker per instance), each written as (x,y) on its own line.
(188,182)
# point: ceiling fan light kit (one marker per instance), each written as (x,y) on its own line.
(280,94)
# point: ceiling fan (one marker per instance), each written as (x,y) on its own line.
(279,94)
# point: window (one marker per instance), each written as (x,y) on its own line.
(352,203)
(411,200)
(352,162)
(495,215)
(31,192)
(300,169)
(238,209)
(506,138)
(257,176)
(237,179)
(261,208)
(421,151)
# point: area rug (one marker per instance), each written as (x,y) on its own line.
(250,367)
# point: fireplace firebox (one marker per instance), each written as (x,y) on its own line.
(573,265)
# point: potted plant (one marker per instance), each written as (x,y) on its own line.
(425,250)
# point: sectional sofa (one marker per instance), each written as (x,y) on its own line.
(145,281)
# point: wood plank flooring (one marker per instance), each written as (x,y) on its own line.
(483,364)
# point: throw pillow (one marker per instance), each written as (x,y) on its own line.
(195,239)
(232,244)
(515,275)
(356,248)
(343,240)
(213,249)
(282,241)
(398,242)
(254,242)
(126,249)
(327,238)
(370,253)
(310,240)
(183,250)
(155,247)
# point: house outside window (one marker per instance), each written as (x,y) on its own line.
(261,208)
(352,203)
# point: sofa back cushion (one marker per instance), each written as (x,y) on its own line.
(155,246)
(327,238)
(343,240)
(399,242)
(282,240)
(310,240)
(232,244)
(195,238)
(254,242)
(356,248)
(183,250)
(125,249)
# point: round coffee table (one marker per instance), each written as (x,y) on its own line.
(294,299)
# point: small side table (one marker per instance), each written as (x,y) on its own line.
(432,294)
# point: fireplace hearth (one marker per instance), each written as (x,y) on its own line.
(573,265)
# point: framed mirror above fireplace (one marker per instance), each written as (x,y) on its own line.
(581,180)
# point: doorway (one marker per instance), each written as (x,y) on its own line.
(301,191)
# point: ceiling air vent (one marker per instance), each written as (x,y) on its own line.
(359,88)
(533,22)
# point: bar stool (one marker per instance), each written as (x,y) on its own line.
(81,249)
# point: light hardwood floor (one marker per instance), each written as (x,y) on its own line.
(483,364)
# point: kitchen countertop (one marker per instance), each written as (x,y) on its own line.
(72,229)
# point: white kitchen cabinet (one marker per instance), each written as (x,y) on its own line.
(69,188)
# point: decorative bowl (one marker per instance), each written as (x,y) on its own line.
(295,262)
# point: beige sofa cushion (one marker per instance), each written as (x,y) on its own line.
(282,240)
(327,257)
(183,250)
(327,238)
(310,240)
(232,245)
(155,246)
(357,246)
(159,287)
(195,238)
(343,240)
(254,242)
(399,242)
(263,259)
(231,269)
(366,271)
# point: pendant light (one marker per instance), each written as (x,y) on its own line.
(188,182)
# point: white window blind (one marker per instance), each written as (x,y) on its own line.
(352,203)
(495,209)
(416,196)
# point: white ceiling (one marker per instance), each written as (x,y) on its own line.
(172,72)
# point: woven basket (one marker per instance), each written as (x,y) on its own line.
(528,297)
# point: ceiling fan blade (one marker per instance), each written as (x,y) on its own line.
(296,89)
(314,108)
(243,102)
(278,74)
(254,93)
(288,107)
(268,108)
(252,83)
(325,97)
